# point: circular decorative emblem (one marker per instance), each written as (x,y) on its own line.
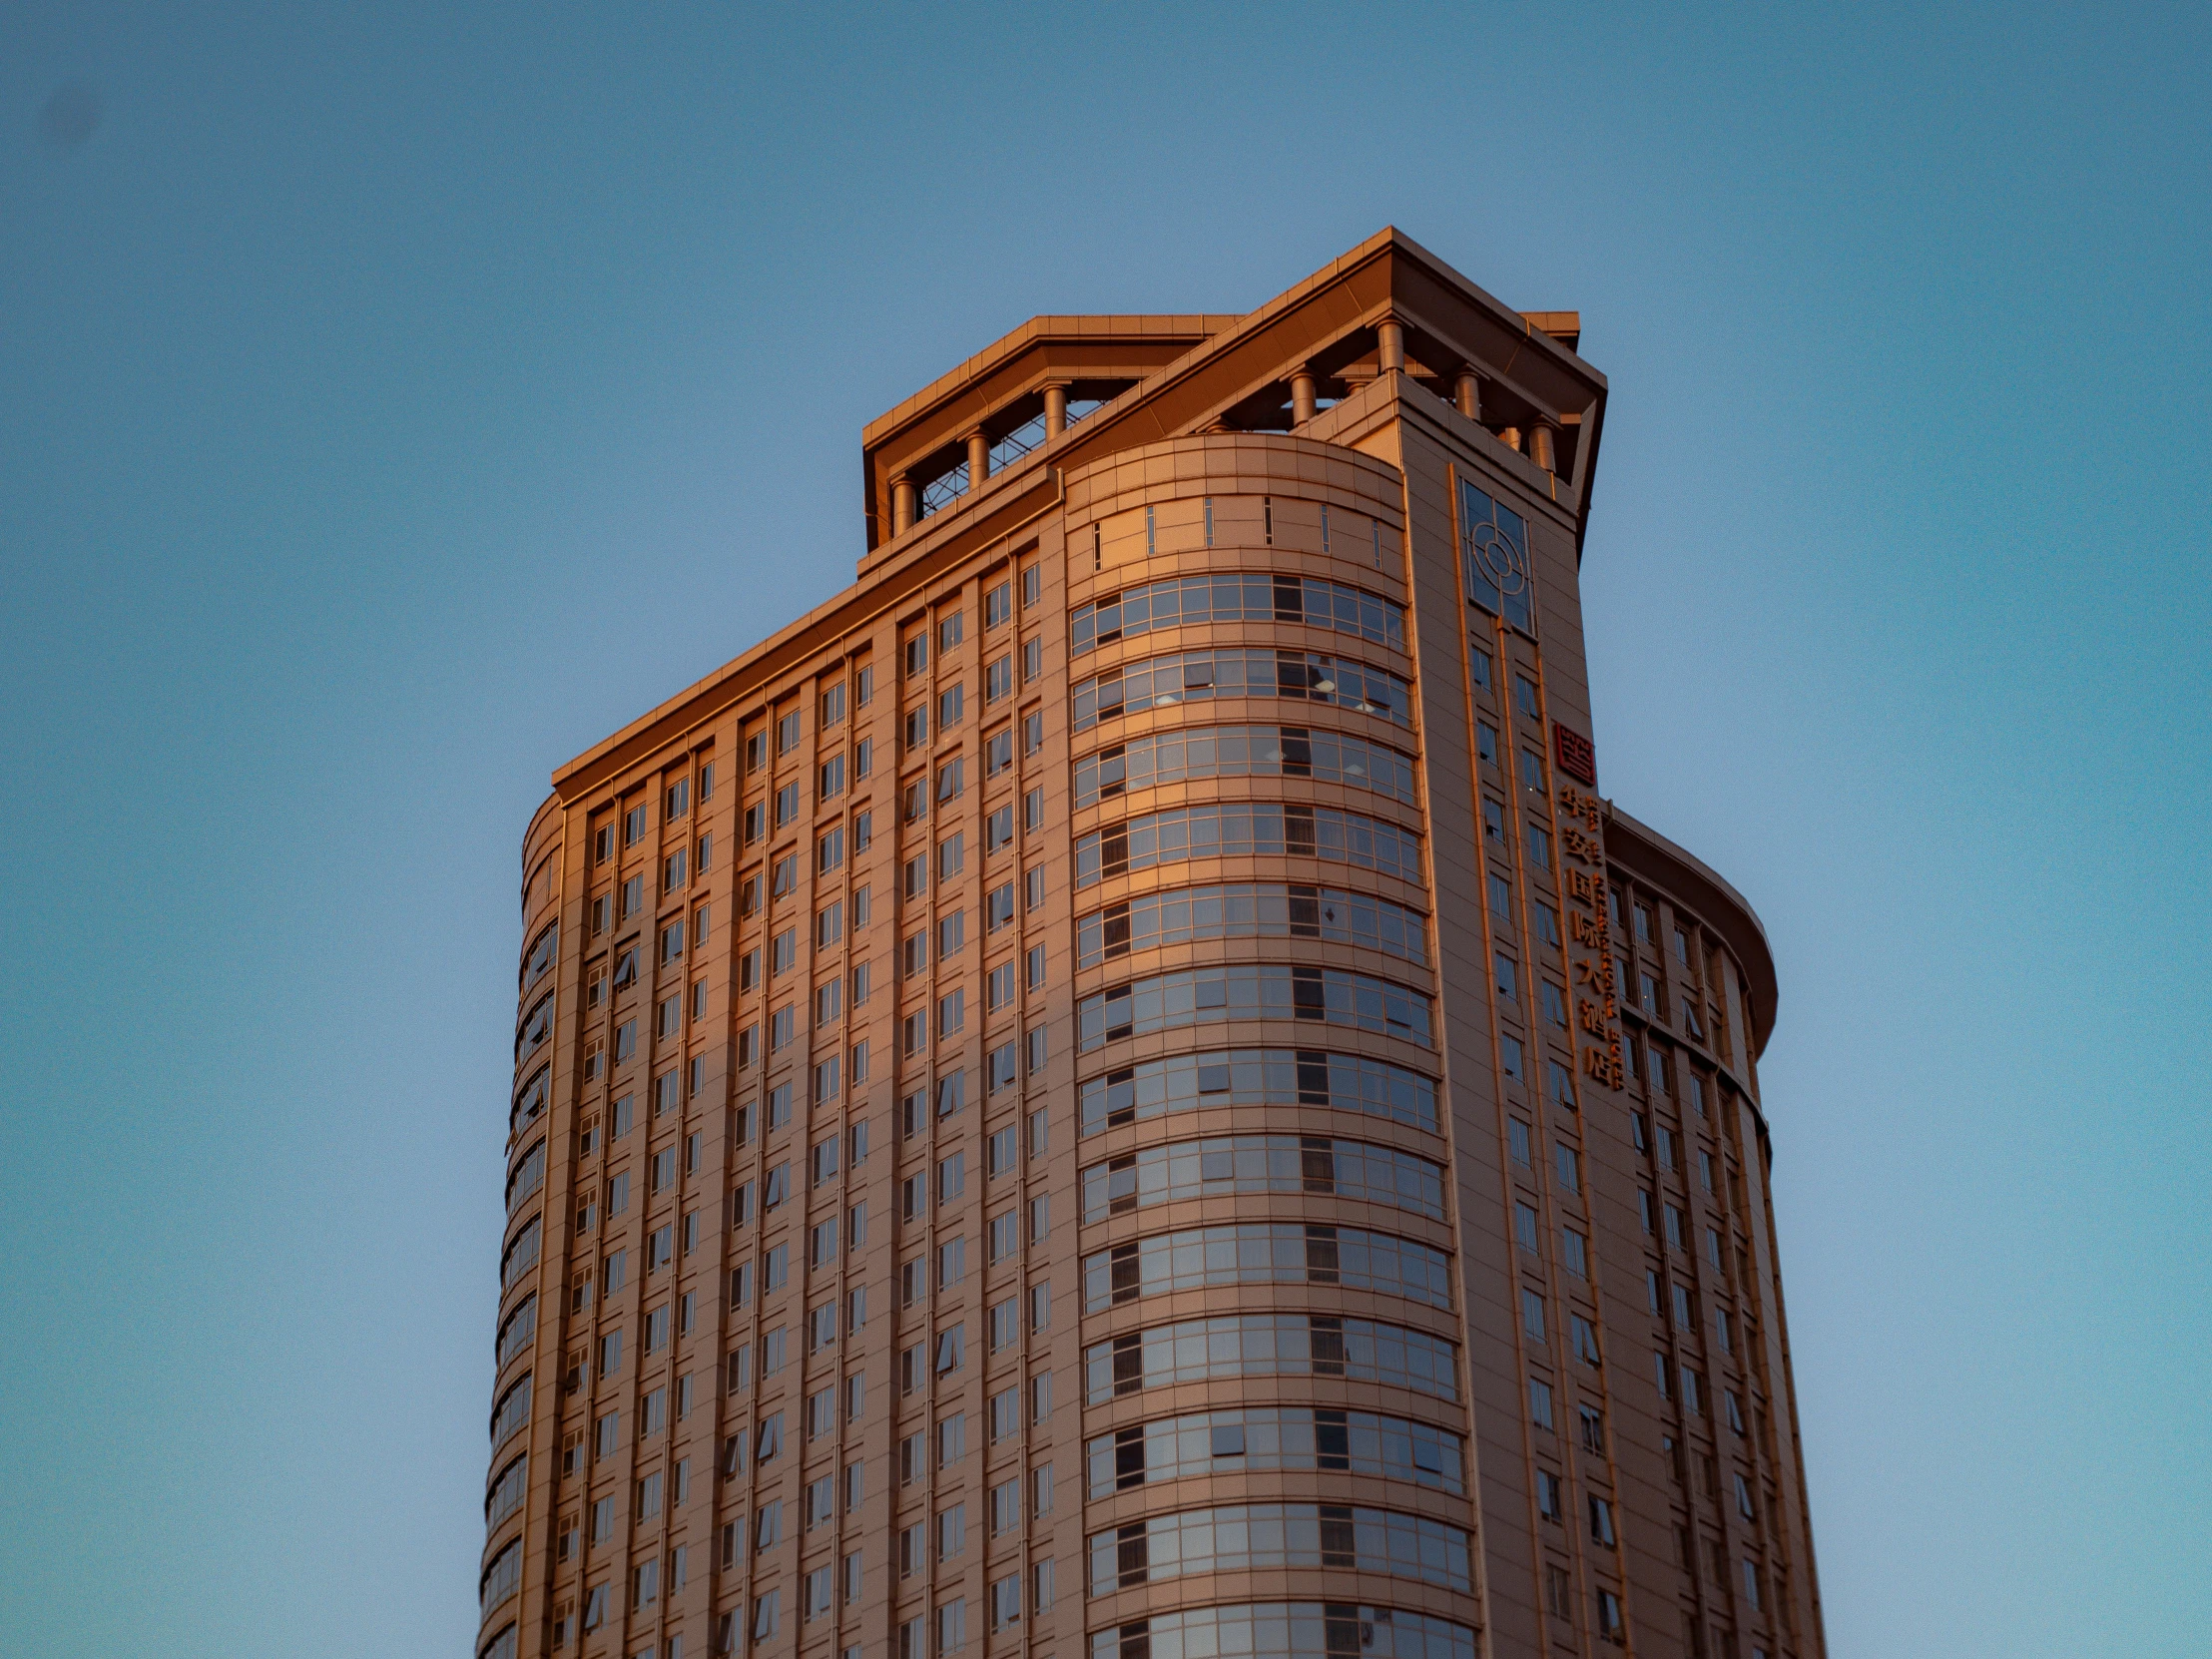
(1498,559)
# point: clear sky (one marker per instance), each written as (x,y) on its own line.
(394,400)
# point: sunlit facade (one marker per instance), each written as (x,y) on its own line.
(1117,1091)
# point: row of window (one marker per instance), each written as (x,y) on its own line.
(1256,1077)
(1256,990)
(636,815)
(1266,1253)
(1251,1536)
(1245,752)
(950,706)
(1231,1164)
(1249,910)
(1286,1631)
(1238,1346)
(1247,1438)
(1235,829)
(1211,672)
(1184,601)
(789,726)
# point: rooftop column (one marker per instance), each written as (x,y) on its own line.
(1390,344)
(1470,394)
(1302,396)
(1055,408)
(1540,446)
(903,504)
(979,457)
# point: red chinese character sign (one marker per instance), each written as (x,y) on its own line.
(1574,755)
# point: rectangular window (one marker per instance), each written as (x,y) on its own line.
(1532,1315)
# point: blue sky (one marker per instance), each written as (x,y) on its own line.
(396,400)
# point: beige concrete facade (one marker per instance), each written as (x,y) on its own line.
(1117,1092)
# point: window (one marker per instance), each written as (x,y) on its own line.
(1550,1495)
(950,705)
(1494,551)
(1563,1084)
(1609,1616)
(1539,1403)
(1583,1336)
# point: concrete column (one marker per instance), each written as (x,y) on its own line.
(1470,394)
(1389,345)
(979,457)
(1302,397)
(903,504)
(1509,436)
(1540,446)
(1055,409)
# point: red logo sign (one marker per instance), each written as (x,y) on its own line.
(1574,755)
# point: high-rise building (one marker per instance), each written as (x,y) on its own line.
(1117,1091)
